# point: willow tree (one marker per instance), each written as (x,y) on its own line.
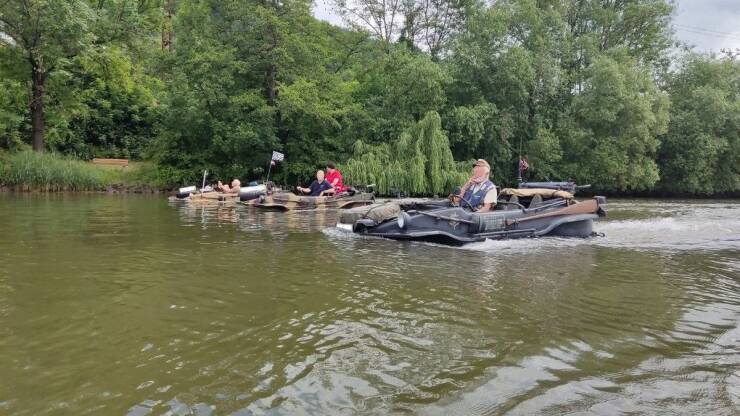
(418,163)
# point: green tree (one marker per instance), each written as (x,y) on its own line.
(533,61)
(45,35)
(507,80)
(397,89)
(610,136)
(114,107)
(249,77)
(641,27)
(12,103)
(700,152)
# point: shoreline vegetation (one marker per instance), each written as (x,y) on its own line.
(599,92)
(32,172)
(28,171)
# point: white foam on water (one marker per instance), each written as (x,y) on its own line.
(526,244)
(674,233)
(696,229)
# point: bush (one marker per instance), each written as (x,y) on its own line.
(150,174)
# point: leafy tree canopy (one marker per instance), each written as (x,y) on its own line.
(587,90)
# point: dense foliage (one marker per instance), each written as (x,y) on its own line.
(420,162)
(404,97)
(700,152)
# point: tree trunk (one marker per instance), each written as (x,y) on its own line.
(272,70)
(168,35)
(270,76)
(38,81)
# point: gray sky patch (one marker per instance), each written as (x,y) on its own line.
(707,25)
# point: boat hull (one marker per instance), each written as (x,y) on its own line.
(290,202)
(208,198)
(456,226)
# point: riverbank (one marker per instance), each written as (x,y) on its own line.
(112,189)
(28,171)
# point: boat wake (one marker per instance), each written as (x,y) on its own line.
(686,232)
(682,226)
(698,229)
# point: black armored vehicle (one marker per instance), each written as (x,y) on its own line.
(532,210)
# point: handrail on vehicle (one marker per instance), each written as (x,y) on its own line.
(531,231)
(441,217)
(511,203)
(555,203)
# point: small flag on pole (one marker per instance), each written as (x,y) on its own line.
(277,156)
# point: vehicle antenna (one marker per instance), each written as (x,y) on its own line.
(519,163)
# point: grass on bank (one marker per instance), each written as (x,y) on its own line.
(53,172)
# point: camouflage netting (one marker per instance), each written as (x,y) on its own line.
(376,212)
(544,193)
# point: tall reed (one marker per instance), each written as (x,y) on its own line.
(52,172)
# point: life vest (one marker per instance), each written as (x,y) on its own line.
(476,198)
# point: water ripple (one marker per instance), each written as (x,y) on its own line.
(135,306)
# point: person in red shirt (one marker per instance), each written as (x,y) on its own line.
(334,177)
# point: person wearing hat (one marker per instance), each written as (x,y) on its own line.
(478,193)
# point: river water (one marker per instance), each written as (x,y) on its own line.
(135,305)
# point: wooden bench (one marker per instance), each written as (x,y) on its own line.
(111,162)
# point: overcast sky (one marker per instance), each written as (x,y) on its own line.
(705,24)
(708,24)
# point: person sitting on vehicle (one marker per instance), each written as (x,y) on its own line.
(478,193)
(334,177)
(318,187)
(225,188)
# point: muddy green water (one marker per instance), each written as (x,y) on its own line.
(135,306)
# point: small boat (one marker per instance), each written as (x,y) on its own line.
(519,213)
(209,196)
(287,201)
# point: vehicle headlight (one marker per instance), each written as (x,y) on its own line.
(403,220)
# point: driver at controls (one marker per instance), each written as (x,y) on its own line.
(478,193)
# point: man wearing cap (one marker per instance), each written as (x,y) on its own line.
(478,193)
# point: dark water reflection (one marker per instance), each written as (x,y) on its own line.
(132,306)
